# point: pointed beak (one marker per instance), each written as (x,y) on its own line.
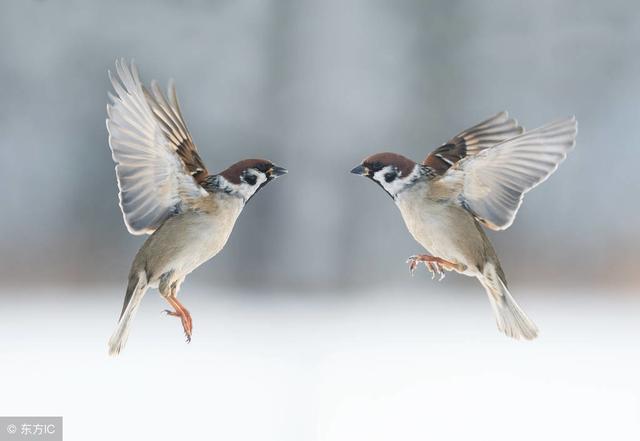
(276,171)
(360,170)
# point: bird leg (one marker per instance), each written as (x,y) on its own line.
(435,265)
(181,311)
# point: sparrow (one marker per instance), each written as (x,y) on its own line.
(166,191)
(477,179)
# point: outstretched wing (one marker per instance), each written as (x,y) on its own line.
(157,165)
(169,116)
(472,141)
(494,181)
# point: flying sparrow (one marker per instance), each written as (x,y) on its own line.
(476,179)
(167,192)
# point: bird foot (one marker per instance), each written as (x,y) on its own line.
(435,265)
(185,318)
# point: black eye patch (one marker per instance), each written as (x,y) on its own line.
(250,179)
(388,177)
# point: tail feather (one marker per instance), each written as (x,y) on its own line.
(135,291)
(510,318)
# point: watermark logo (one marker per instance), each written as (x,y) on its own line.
(31,428)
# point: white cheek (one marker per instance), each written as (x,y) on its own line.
(248,190)
(261,180)
(399,184)
(395,186)
(392,187)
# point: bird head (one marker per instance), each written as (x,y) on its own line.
(244,178)
(393,172)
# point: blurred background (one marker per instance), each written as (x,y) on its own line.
(308,324)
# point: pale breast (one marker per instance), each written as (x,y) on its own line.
(189,239)
(211,231)
(427,222)
(444,229)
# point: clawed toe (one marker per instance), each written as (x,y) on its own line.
(435,268)
(434,265)
(185,317)
(187,325)
(413,264)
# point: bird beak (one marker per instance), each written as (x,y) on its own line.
(276,171)
(360,170)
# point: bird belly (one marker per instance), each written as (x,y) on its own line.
(206,242)
(441,230)
(184,243)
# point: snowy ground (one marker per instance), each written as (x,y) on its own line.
(337,367)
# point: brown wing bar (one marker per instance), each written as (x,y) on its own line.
(472,141)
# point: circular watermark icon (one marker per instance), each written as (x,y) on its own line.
(11,428)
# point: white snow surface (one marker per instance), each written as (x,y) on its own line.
(336,366)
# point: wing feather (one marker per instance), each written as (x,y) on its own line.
(145,140)
(495,180)
(472,141)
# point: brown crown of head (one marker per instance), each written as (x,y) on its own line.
(233,173)
(380,160)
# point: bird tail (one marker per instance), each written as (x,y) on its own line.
(135,291)
(511,320)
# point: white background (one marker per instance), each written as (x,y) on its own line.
(375,366)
